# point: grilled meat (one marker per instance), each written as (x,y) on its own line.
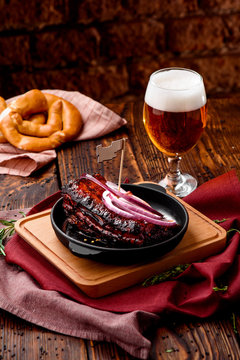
(87,214)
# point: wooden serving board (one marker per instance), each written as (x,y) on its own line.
(202,239)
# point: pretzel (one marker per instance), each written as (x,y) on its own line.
(63,124)
(32,102)
(37,119)
(24,104)
(3,106)
(54,123)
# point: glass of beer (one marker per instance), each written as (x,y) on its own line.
(174,117)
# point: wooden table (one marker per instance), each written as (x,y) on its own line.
(217,152)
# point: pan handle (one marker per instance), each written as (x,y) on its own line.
(79,250)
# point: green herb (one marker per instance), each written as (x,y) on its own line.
(219,221)
(223,288)
(230,230)
(177,270)
(229,233)
(7,231)
(234,323)
(169,274)
(169,350)
(22,213)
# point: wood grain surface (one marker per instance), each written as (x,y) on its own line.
(217,152)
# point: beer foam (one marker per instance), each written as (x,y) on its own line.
(175,90)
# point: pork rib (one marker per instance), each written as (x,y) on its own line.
(86,214)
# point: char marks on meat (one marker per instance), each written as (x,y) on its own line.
(86,214)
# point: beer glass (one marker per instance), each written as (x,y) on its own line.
(174,117)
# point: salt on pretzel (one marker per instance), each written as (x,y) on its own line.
(3,106)
(33,102)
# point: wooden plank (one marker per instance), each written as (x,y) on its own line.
(196,339)
(23,340)
(19,192)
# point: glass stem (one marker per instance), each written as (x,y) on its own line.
(174,173)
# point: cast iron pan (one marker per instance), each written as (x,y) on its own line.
(158,199)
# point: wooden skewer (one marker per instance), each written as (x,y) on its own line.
(121,164)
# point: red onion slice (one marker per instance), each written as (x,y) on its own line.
(109,204)
(124,204)
(123,208)
(131,198)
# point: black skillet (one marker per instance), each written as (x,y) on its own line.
(158,199)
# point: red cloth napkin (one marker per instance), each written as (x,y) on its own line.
(191,293)
(98,121)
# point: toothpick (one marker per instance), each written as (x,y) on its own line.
(121,164)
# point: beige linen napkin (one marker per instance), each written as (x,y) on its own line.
(98,121)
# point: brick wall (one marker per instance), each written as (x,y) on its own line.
(108,48)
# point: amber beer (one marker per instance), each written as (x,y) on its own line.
(175,110)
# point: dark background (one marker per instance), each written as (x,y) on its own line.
(108,48)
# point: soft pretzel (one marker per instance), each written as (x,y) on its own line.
(32,102)
(3,106)
(37,118)
(54,123)
(34,119)
(63,124)
(22,105)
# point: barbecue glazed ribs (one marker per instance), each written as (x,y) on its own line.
(87,214)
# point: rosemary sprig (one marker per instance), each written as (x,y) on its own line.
(177,270)
(230,230)
(223,288)
(7,231)
(166,275)
(234,323)
(219,221)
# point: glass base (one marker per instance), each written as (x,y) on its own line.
(183,188)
